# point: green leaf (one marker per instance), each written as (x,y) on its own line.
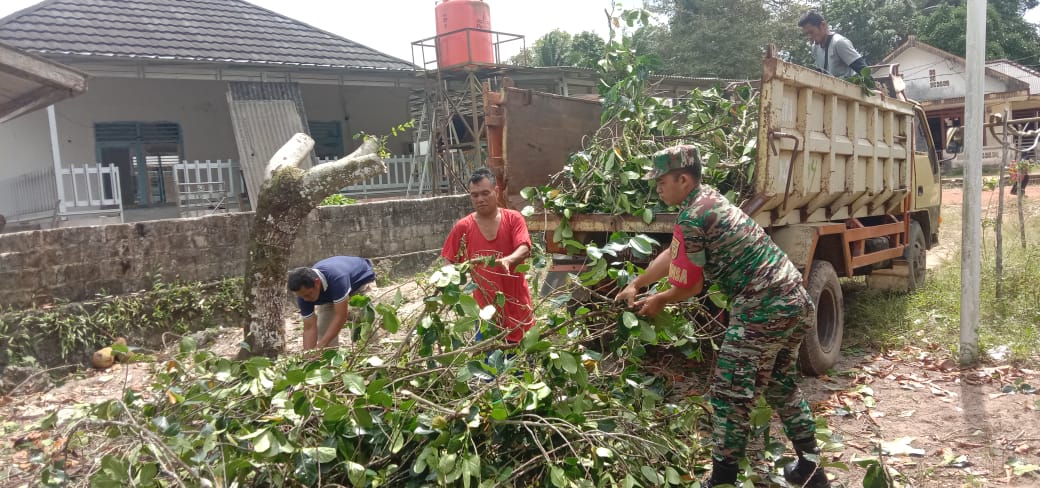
(527,211)
(875,476)
(319,376)
(363,416)
(356,473)
(629,319)
(188,345)
(391,322)
(146,474)
(647,333)
(568,363)
(320,454)
(527,192)
(263,442)
(354,383)
(530,337)
(651,475)
(672,476)
(469,305)
(557,476)
(499,413)
(648,216)
(641,245)
(335,412)
(295,376)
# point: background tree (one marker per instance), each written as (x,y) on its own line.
(875,27)
(523,58)
(1008,34)
(552,49)
(586,50)
(723,38)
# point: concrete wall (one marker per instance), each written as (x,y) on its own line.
(201,109)
(79,262)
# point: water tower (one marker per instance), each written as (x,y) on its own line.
(457,64)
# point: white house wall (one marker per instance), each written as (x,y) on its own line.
(373,110)
(198,106)
(24,144)
(949,81)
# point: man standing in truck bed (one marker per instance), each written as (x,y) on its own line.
(834,53)
(502,234)
(770,313)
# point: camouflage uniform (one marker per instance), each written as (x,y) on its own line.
(769,316)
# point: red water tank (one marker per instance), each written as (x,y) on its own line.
(467,48)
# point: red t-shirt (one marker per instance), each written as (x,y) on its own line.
(518,313)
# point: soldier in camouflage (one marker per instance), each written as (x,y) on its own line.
(770,312)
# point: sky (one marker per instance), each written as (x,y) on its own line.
(391,26)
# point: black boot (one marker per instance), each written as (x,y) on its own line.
(722,473)
(803,472)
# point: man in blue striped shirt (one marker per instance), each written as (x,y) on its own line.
(323,293)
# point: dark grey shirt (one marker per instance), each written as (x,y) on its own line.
(837,58)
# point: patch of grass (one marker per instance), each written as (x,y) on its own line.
(931,316)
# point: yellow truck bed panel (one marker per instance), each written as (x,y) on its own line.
(826,151)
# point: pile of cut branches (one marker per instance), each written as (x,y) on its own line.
(415,401)
(605,177)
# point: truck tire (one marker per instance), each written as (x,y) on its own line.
(822,344)
(916,255)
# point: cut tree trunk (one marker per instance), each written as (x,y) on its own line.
(285,199)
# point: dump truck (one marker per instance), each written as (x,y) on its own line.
(846,183)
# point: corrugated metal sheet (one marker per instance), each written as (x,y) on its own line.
(264,116)
(1019,72)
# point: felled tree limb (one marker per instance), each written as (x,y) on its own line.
(285,199)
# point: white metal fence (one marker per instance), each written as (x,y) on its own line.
(205,187)
(29,196)
(402,178)
(89,189)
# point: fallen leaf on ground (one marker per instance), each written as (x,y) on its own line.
(901,447)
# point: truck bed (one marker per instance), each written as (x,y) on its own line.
(826,151)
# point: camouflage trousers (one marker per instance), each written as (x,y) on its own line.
(758,354)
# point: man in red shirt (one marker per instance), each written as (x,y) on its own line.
(500,233)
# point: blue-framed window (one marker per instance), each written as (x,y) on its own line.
(145,153)
(328,139)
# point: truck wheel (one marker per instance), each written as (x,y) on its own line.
(822,344)
(916,255)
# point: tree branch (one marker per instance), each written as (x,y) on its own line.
(326,179)
(292,153)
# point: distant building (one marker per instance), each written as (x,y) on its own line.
(937,80)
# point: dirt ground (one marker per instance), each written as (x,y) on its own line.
(938,425)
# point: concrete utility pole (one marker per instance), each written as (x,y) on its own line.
(971,237)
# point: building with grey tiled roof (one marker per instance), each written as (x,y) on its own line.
(163,74)
(217,31)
